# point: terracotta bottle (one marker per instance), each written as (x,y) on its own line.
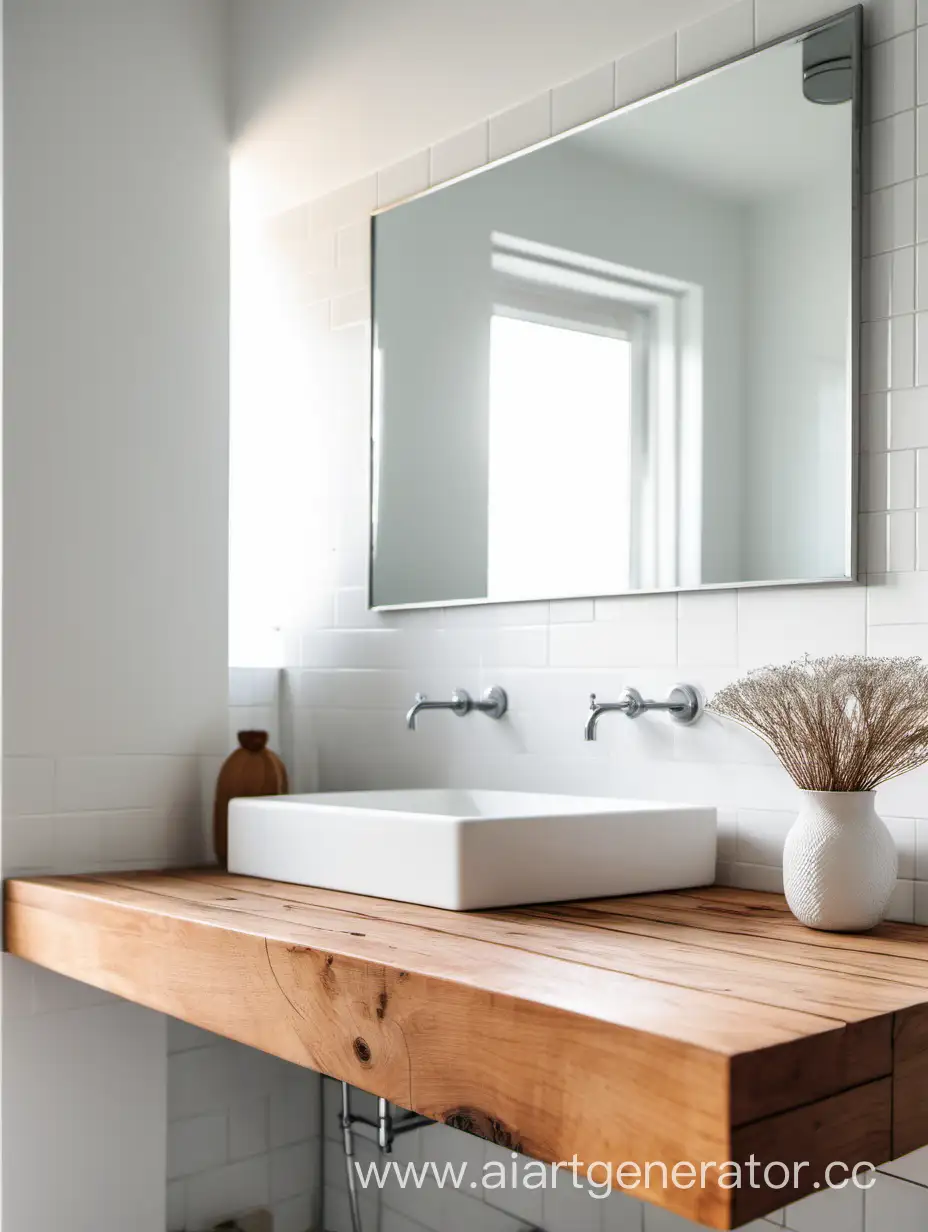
(252,770)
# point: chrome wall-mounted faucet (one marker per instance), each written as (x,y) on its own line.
(683,704)
(494,703)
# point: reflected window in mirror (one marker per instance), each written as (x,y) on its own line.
(588,393)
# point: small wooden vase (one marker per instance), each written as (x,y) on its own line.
(252,770)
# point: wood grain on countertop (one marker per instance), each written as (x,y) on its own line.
(697,1027)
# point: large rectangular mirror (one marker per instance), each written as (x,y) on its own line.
(625,359)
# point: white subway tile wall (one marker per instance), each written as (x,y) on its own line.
(112,811)
(254,704)
(718,37)
(243,1127)
(583,99)
(84,814)
(460,153)
(645,71)
(243,1133)
(124,811)
(128,658)
(351,673)
(522,126)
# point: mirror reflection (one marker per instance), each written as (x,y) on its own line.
(622,361)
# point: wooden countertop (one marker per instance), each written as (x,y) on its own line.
(683,1027)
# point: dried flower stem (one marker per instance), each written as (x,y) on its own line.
(842,723)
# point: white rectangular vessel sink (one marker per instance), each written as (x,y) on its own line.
(465,850)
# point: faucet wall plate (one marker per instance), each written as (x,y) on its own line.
(461,702)
(683,704)
(687,704)
(494,702)
(632,703)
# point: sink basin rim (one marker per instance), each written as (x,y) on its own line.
(503,805)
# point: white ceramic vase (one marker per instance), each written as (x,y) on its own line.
(839,862)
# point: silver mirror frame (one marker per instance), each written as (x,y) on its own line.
(853,16)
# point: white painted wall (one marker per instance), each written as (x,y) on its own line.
(389,80)
(115,446)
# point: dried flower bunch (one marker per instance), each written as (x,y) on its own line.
(843,723)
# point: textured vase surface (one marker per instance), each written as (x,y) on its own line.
(839,862)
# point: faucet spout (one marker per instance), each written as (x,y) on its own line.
(597,709)
(412,712)
(460,704)
(631,704)
(589,729)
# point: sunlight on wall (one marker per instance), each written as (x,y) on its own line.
(268,404)
(254,606)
